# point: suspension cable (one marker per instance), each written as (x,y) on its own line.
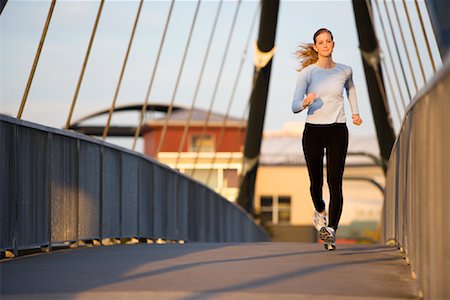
(169,112)
(86,58)
(205,125)
(414,40)
(105,131)
(397,50)
(240,128)
(233,93)
(245,113)
(197,88)
(390,55)
(374,63)
(36,59)
(147,96)
(404,44)
(425,36)
(392,89)
(383,62)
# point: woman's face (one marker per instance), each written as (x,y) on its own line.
(324,44)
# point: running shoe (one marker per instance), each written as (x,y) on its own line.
(328,235)
(320,220)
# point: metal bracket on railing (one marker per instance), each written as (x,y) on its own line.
(248,164)
(391,242)
(372,57)
(8,254)
(261,59)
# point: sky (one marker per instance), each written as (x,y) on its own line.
(54,83)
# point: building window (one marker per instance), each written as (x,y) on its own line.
(230,178)
(208,177)
(266,210)
(275,209)
(284,209)
(202,143)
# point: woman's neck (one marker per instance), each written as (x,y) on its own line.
(325,62)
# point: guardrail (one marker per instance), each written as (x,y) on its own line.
(417,207)
(63,187)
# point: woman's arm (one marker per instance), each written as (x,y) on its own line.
(298,103)
(351,95)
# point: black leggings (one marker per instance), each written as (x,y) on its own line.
(333,138)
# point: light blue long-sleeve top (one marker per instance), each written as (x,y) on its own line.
(328,84)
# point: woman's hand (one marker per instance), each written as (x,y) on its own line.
(309,99)
(356,119)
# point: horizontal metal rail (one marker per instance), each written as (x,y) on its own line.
(417,207)
(59,187)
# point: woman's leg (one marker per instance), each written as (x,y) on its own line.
(314,152)
(336,151)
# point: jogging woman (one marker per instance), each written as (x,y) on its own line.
(319,89)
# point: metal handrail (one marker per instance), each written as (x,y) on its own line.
(416,207)
(59,187)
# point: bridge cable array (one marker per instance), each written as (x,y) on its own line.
(198,84)
(383,63)
(414,41)
(86,58)
(404,44)
(391,88)
(399,62)
(218,79)
(124,66)
(180,72)
(394,67)
(147,96)
(373,60)
(238,136)
(390,57)
(425,35)
(197,87)
(377,71)
(108,122)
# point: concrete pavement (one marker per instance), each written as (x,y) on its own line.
(211,271)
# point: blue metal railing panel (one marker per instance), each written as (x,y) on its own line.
(89,191)
(64,189)
(111,193)
(183,209)
(129,195)
(8,190)
(146,201)
(226,215)
(32,190)
(200,207)
(160,195)
(238,233)
(220,220)
(170,204)
(212,215)
(192,213)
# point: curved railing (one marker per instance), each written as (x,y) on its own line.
(417,208)
(61,187)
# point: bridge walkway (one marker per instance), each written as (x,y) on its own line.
(211,271)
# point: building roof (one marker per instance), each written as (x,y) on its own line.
(198,117)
